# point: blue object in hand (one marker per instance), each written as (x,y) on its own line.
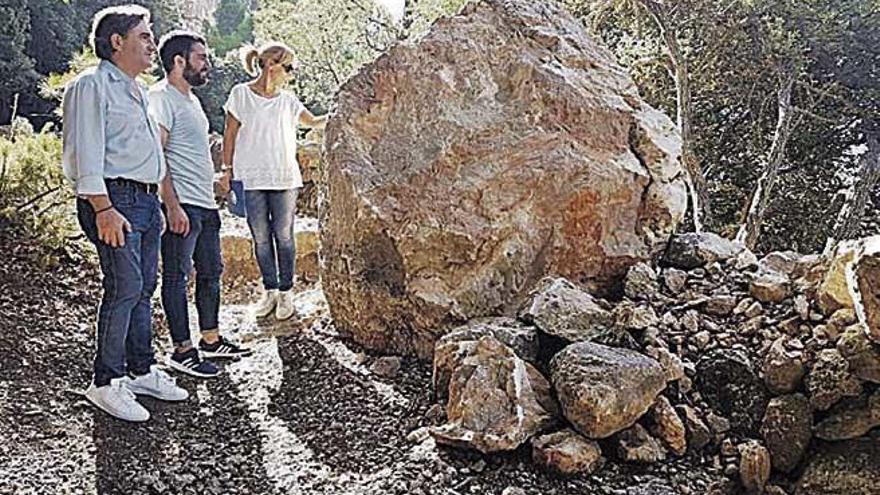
(236,199)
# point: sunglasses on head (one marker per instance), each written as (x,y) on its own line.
(289,67)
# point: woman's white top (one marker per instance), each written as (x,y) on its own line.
(265,148)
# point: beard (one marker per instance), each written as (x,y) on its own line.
(195,78)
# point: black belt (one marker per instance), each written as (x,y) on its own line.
(147,188)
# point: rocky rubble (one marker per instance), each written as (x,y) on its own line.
(717,354)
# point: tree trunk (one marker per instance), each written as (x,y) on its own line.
(849,219)
(697,185)
(750,229)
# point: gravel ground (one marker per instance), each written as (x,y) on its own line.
(304,415)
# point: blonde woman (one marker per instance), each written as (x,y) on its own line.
(259,143)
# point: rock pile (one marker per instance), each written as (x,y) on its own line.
(763,366)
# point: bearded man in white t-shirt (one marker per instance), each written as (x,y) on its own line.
(193,236)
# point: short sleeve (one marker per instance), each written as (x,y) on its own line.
(161,109)
(233,103)
(297,106)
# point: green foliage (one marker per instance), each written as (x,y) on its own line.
(233,26)
(15,66)
(33,191)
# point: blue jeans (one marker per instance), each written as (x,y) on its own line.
(202,246)
(270,216)
(125,327)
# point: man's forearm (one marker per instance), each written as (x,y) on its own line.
(169,196)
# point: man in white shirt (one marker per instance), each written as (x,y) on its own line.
(193,236)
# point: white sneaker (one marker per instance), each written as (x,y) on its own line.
(266,304)
(116,400)
(157,384)
(285,308)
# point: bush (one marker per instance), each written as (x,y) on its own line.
(34,195)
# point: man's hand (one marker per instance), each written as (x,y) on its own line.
(112,227)
(178,220)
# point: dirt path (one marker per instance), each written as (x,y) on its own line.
(304,415)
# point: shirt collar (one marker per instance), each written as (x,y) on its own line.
(114,72)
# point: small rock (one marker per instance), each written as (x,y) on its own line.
(730,385)
(635,444)
(673,368)
(641,282)
(561,309)
(513,490)
(386,367)
(721,305)
(861,353)
(742,306)
(719,424)
(802,306)
(698,434)
(702,339)
(783,369)
(692,250)
(830,380)
(851,420)
(754,466)
(668,427)
(634,317)
(754,310)
(674,280)
(769,287)
(567,452)
(787,430)
(419,435)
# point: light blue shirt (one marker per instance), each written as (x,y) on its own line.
(187,152)
(107,131)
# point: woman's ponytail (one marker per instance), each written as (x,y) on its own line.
(249,58)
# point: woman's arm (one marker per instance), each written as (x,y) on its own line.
(306,119)
(230,132)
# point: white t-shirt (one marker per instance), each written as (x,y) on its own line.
(265,148)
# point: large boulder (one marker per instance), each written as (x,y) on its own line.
(503,146)
(603,390)
(497,401)
(863,279)
(843,468)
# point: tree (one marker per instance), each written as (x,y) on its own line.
(17,68)
(233,26)
(665,17)
(334,38)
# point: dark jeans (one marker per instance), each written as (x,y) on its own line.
(125,326)
(270,216)
(202,247)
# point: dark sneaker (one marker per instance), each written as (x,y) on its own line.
(191,363)
(223,349)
